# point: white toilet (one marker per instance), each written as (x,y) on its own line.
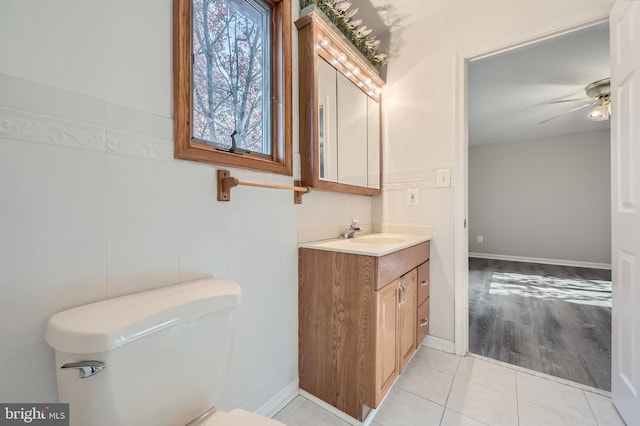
(158,358)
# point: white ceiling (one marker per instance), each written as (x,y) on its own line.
(509,93)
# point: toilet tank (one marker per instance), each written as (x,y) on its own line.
(165,354)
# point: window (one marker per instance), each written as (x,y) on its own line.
(232,83)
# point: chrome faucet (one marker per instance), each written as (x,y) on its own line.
(351,230)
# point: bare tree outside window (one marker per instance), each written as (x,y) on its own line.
(231,79)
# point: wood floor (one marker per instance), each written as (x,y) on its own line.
(548,318)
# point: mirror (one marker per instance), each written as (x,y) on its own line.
(339,112)
(327,119)
(352,133)
(348,131)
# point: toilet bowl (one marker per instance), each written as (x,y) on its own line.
(158,358)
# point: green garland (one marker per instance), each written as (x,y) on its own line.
(338,12)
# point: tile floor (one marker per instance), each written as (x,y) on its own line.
(438,388)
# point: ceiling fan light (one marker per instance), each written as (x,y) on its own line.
(599,113)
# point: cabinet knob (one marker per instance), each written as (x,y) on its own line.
(424,283)
(424,322)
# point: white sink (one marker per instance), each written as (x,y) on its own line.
(368,244)
(374,239)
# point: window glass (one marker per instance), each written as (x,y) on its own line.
(232,76)
(231,79)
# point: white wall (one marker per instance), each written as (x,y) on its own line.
(420,111)
(93,205)
(546,198)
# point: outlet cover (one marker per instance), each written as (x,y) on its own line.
(412,197)
(443,178)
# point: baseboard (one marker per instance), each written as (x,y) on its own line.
(279,400)
(542,260)
(440,344)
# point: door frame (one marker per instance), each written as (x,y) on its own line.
(461,198)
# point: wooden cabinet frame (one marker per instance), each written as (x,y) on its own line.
(312,28)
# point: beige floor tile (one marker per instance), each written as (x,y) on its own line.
(602,407)
(487,374)
(531,414)
(555,396)
(451,418)
(310,414)
(402,408)
(438,360)
(426,382)
(483,404)
(482,393)
(289,409)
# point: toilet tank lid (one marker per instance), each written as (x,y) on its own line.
(104,325)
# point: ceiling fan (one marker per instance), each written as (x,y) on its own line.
(599,97)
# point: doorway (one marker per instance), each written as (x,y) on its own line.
(625,21)
(539,209)
(528,252)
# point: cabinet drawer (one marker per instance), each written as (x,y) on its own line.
(423,282)
(396,264)
(423,322)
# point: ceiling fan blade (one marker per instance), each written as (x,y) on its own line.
(571,100)
(571,110)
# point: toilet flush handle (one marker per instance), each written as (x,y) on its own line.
(86,368)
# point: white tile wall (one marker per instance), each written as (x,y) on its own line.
(41,185)
(142,197)
(142,263)
(39,280)
(22,96)
(204,255)
(93,205)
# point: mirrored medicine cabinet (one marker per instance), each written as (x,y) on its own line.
(340,138)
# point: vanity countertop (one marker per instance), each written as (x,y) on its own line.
(368,244)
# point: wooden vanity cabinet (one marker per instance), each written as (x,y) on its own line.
(357,319)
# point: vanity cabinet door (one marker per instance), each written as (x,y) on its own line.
(386,338)
(407,317)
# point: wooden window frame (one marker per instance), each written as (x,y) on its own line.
(189,148)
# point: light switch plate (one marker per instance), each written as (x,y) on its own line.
(412,197)
(443,178)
